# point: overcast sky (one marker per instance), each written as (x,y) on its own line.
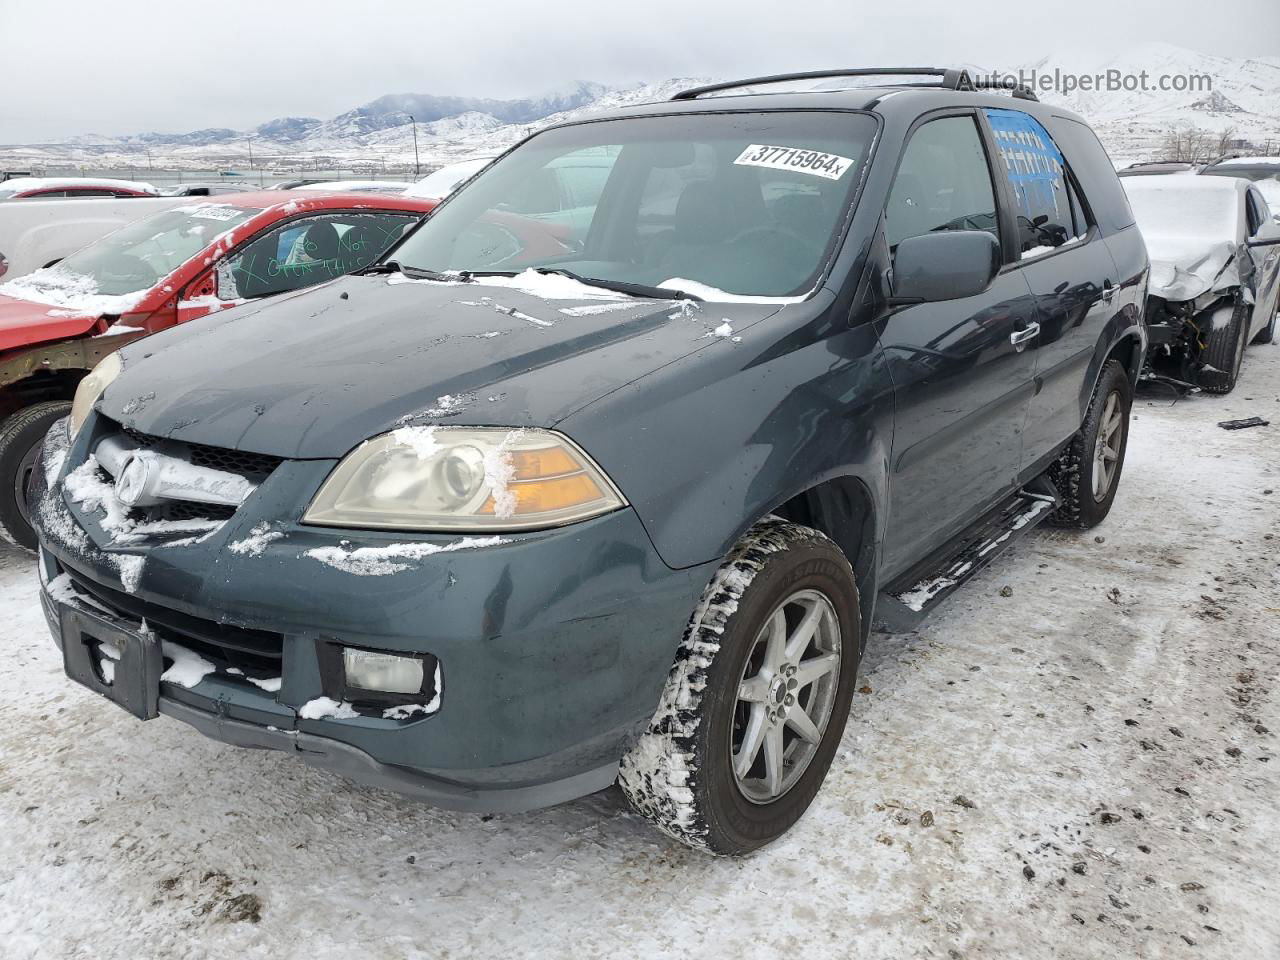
(79,66)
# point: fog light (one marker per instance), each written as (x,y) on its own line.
(381,672)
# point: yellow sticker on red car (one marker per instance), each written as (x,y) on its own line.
(831,166)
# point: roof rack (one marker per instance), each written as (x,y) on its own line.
(947,79)
(1020,91)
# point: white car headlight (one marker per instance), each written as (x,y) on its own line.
(464,478)
(91,388)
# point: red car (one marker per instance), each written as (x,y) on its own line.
(48,188)
(174,266)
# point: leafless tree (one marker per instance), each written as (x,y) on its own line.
(1189,144)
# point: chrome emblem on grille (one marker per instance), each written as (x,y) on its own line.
(131,481)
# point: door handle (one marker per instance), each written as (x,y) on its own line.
(1020,338)
(1108,291)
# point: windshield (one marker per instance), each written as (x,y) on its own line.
(733,204)
(1173,211)
(136,257)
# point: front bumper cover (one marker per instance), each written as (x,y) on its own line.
(554,645)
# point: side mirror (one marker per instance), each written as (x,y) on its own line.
(949,265)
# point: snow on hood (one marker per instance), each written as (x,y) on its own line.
(547,286)
(70,291)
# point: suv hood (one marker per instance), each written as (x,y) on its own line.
(314,374)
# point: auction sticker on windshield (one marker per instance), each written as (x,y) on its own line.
(829,165)
(211,212)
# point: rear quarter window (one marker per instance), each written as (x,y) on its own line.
(1094,170)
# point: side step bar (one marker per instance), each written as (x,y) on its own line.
(906,602)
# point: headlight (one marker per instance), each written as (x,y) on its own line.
(462,478)
(91,387)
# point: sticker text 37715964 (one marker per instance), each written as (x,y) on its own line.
(828,165)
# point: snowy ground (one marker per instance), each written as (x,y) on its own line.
(1081,765)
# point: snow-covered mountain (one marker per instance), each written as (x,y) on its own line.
(1244,96)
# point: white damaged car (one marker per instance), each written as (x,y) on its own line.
(1215,275)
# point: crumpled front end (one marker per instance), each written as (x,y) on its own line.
(1182,272)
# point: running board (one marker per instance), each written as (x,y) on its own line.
(908,600)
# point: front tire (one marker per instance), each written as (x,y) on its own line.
(1087,474)
(20,437)
(1224,352)
(1266,334)
(757,700)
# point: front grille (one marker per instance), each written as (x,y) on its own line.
(192,510)
(255,466)
(257,653)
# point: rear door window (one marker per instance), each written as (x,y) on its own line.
(1036,172)
(943,183)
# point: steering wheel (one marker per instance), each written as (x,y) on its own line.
(135,268)
(775,229)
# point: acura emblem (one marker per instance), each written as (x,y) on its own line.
(131,483)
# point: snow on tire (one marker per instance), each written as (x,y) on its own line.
(681,773)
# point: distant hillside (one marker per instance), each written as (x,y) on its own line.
(1245,97)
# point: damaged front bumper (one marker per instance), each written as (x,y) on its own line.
(553,646)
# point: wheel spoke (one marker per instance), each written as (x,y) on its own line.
(803,724)
(1109,454)
(815,668)
(773,761)
(804,632)
(776,646)
(1113,425)
(755,690)
(752,740)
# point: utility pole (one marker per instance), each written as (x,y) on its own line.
(249,141)
(416,168)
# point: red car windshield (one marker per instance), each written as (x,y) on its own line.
(138,256)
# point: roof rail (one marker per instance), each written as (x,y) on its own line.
(947,79)
(1020,91)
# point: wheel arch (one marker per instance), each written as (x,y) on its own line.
(843,508)
(1130,351)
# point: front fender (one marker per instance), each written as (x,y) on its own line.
(705,446)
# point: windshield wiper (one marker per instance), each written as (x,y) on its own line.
(621,286)
(415,273)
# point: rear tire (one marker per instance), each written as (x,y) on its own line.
(20,437)
(1224,352)
(1087,474)
(755,704)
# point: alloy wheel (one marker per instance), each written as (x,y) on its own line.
(1106,452)
(785,696)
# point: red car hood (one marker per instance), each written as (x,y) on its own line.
(24,323)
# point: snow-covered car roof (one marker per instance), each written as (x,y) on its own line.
(440,183)
(1251,162)
(25,184)
(357,186)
